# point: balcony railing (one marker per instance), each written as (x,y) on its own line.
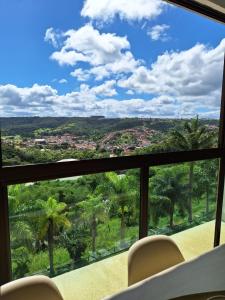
(40,172)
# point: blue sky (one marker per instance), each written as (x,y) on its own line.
(115,58)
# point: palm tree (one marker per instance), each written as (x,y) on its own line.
(122,196)
(52,218)
(160,207)
(192,136)
(21,233)
(93,211)
(167,190)
(21,230)
(206,175)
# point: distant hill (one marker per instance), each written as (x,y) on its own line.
(94,127)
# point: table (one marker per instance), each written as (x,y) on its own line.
(205,273)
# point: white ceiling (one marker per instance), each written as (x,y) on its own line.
(216,4)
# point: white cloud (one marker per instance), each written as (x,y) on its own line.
(106,89)
(52,37)
(125,64)
(105,53)
(36,95)
(89,45)
(45,101)
(63,80)
(159,32)
(106,10)
(67,57)
(81,74)
(178,84)
(192,75)
(130,92)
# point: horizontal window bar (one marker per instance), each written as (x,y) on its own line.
(29,173)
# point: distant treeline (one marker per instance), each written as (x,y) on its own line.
(90,126)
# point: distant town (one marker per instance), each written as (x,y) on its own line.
(125,141)
(40,140)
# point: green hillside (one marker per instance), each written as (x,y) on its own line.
(92,126)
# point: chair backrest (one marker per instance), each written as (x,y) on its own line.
(150,256)
(30,288)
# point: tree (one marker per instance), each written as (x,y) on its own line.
(167,190)
(52,218)
(75,242)
(21,258)
(122,197)
(206,175)
(192,136)
(21,231)
(159,207)
(93,210)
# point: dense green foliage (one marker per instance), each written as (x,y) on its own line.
(15,156)
(97,215)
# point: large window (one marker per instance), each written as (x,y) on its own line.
(127,100)
(105,81)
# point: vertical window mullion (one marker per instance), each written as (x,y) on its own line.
(221,177)
(143,221)
(5,255)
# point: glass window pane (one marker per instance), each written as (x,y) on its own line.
(182,200)
(133,77)
(60,225)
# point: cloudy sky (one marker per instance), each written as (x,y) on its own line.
(117,58)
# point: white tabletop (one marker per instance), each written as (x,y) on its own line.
(203,274)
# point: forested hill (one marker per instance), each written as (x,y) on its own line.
(90,126)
